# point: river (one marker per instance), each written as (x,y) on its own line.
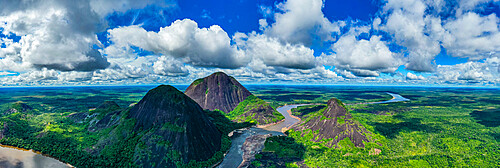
(15,158)
(234,156)
(395,98)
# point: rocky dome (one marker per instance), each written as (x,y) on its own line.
(177,119)
(217,91)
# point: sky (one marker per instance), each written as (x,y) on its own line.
(129,42)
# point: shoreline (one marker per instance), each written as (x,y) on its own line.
(35,152)
(270,124)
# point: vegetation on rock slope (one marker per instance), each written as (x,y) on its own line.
(255,110)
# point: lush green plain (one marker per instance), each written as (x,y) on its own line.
(439,127)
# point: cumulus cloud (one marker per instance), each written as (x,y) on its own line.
(411,76)
(54,34)
(58,44)
(489,70)
(269,51)
(347,74)
(364,57)
(473,36)
(406,22)
(423,27)
(204,47)
(315,75)
(301,22)
(168,66)
(34,77)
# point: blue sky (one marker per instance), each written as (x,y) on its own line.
(402,42)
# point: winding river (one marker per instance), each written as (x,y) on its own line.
(14,158)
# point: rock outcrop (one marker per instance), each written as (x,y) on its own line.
(252,145)
(217,91)
(334,123)
(175,125)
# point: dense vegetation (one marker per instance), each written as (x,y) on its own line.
(304,110)
(279,95)
(439,127)
(254,107)
(62,137)
(57,136)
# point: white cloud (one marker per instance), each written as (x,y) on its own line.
(411,76)
(302,22)
(268,51)
(417,25)
(35,76)
(406,22)
(473,36)
(467,5)
(489,70)
(315,75)
(168,66)
(346,74)
(54,34)
(364,57)
(58,41)
(205,47)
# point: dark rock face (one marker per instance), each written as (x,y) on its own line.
(107,121)
(336,123)
(217,91)
(108,105)
(78,117)
(178,120)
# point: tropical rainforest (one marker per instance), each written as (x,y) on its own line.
(438,127)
